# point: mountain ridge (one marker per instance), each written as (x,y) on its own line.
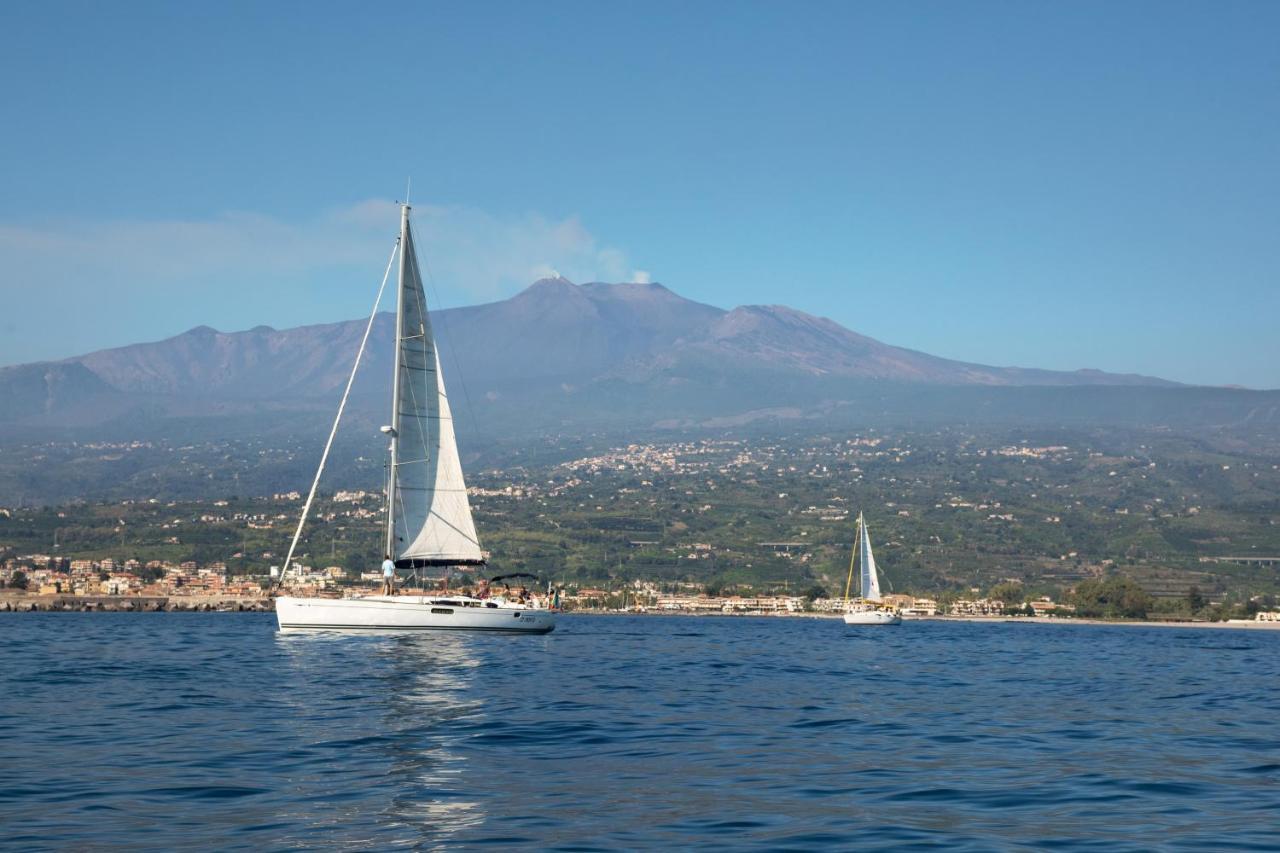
(821,345)
(555,353)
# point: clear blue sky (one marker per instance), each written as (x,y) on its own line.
(1049,185)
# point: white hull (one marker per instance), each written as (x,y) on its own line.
(410,613)
(872,617)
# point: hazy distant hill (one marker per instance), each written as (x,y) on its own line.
(51,390)
(561,355)
(777,338)
(553,331)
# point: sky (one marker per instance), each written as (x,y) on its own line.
(1056,185)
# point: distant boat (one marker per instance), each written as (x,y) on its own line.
(869,608)
(429,521)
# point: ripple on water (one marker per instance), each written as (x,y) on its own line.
(151,730)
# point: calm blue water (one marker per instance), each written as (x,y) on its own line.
(178,730)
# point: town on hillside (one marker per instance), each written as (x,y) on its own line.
(1118,525)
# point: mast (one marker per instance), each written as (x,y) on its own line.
(429,519)
(395,385)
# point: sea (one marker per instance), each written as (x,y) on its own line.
(176,731)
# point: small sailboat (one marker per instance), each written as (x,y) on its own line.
(869,608)
(429,521)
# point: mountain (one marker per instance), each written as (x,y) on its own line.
(774,337)
(553,330)
(37,392)
(560,355)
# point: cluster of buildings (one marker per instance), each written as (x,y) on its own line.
(43,574)
(683,597)
(642,596)
(763,604)
(651,601)
(676,458)
(907,604)
(1024,452)
(48,575)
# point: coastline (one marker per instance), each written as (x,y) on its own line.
(233,604)
(1126,623)
(134,604)
(1011,620)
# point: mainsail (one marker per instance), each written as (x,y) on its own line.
(430,517)
(870,583)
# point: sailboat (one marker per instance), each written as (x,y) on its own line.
(869,608)
(429,522)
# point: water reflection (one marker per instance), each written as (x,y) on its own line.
(429,681)
(381,708)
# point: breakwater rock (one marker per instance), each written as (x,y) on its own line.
(133,604)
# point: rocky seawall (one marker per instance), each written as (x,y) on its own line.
(132,604)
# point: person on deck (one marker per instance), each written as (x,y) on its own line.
(388,576)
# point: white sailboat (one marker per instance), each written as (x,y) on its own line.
(869,608)
(429,519)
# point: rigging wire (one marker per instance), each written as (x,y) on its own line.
(315,484)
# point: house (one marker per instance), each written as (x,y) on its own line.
(922,607)
(977,607)
(1047,607)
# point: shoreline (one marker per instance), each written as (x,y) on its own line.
(234,604)
(1126,623)
(1008,620)
(135,604)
